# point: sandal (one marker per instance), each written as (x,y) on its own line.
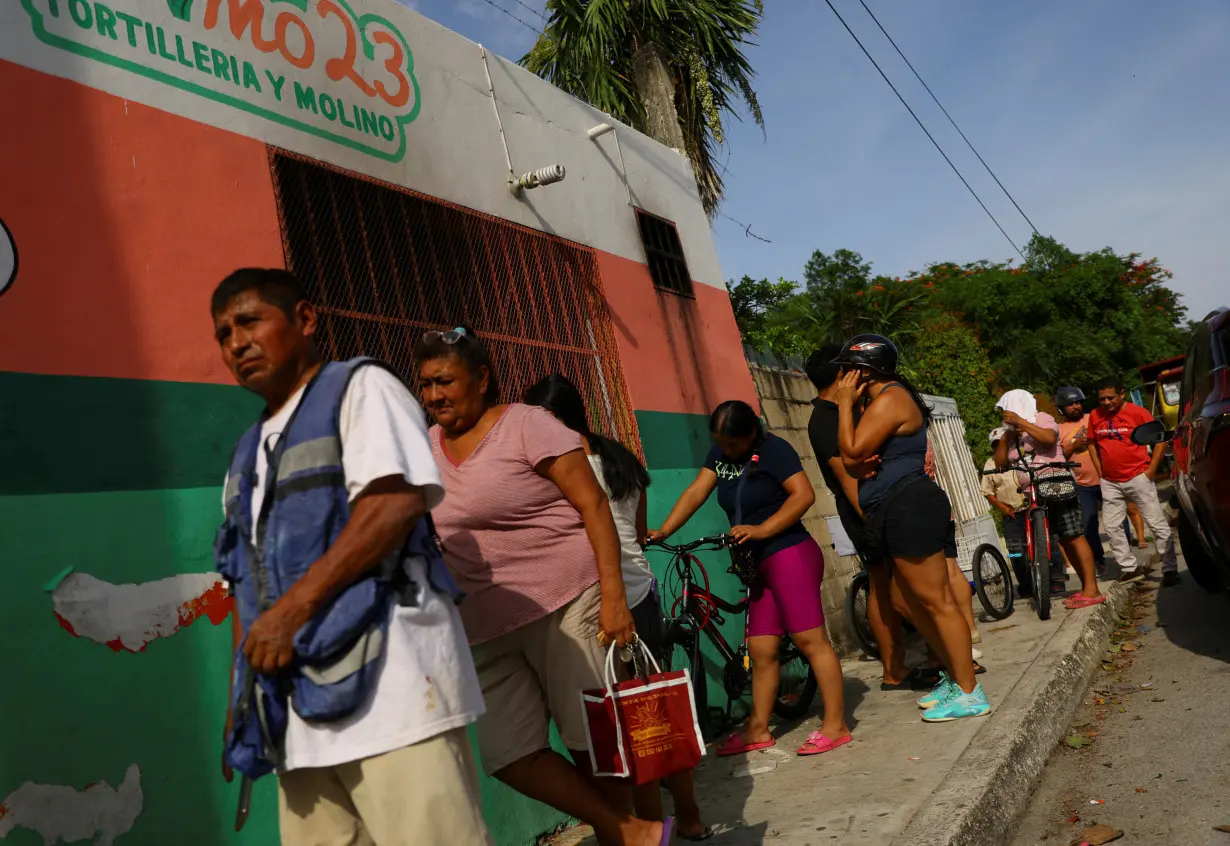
(1074,603)
(735,745)
(704,835)
(817,743)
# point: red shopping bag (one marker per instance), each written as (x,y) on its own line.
(643,729)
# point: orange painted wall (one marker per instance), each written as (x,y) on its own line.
(679,355)
(125,219)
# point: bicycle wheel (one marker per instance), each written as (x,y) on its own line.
(1040,566)
(681,651)
(992,581)
(797,689)
(857,598)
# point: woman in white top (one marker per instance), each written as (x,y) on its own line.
(624,479)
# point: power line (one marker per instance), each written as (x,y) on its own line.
(498,7)
(950,120)
(532,10)
(747,227)
(921,126)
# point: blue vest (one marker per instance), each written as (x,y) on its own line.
(306,506)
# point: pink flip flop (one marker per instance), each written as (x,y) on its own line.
(1075,603)
(817,744)
(734,745)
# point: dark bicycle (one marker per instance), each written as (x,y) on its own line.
(858,597)
(1037,536)
(694,610)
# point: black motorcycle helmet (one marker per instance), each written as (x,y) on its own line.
(873,351)
(1067,396)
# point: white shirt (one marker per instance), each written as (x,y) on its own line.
(427,685)
(638,578)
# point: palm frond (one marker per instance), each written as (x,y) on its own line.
(587,49)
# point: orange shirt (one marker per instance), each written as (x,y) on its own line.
(1086,475)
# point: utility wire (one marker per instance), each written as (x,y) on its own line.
(747,227)
(495,5)
(532,10)
(950,120)
(923,127)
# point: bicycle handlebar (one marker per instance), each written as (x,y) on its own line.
(1031,469)
(716,542)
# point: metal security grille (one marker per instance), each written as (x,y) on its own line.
(384,265)
(667,264)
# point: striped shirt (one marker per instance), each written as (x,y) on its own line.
(515,545)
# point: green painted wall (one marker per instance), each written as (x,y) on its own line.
(119,479)
(675,448)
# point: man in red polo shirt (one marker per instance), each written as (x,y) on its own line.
(1127,472)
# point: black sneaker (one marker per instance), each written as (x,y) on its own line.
(1170,578)
(1100,566)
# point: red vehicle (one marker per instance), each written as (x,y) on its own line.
(1202,453)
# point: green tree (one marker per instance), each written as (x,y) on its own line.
(840,299)
(756,304)
(948,360)
(672,69)
(1063,317)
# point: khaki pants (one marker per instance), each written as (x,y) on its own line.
(420,795)
(1115,497)
(534,674)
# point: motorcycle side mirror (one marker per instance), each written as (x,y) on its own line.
(1149,434)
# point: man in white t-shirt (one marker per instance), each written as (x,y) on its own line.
(400,769)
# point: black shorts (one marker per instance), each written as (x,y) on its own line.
(950,540)
(913,521)
(647,615)
(1065,519)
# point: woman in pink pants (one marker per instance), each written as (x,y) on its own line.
(763,490)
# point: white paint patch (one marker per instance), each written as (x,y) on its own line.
(58,812)
(8,258)
(130,616)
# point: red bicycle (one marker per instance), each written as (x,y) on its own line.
(694,610)
(1037,532)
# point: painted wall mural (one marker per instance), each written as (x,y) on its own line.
(129,617)
(319,68)
(98,814)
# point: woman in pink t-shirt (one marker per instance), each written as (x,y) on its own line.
(1033,436)
(528,535)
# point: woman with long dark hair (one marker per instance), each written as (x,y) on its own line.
(765,493)
(907,514)
(529,538)
(625,480)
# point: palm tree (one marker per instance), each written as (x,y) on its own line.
(669,68)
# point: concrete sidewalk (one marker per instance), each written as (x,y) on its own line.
(903,781)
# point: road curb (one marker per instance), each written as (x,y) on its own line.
(990,784)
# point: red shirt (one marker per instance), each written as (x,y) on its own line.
(1121,459)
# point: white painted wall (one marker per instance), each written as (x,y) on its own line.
(452,149)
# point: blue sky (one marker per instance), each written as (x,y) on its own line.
(1108,120)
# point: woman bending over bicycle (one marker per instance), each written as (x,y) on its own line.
(763,490)
(907,514)
(624,479)
(1034,435)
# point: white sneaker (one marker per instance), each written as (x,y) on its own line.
(977,653)
(976,637)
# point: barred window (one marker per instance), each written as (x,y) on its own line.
(383,265)
(667,264)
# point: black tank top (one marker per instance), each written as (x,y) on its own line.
(900,456)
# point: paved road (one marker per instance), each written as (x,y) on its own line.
(1160,761)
